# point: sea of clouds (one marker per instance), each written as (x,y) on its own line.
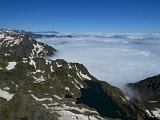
(115,58)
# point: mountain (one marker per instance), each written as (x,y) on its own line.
(147,93)
(35,88)
(50,32)
(38,88)
(20,43)
(48,35)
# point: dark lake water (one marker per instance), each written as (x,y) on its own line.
(95,97)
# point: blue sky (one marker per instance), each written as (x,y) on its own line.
(81,15)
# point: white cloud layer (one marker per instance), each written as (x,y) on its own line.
(115,58)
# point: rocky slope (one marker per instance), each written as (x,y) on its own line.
(35,88)
(147,93)
(32,86)
(19,43)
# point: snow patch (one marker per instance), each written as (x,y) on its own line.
(11,65)
(38,70)
(123,99)
(38,80)
(68,115)
(48,62)
(42,99)
(37,50)
(79,75)
(56,96)
(69,66)
(76,67)
(6,95)
(51,69)
(156,113)
(50,106)
(81,110)
(78,83)
(69,75)
(6,88)
(24,60)
(84,76)
(148,112)
(66,88)
(58,65)
(32,62)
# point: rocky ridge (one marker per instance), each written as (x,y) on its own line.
(19,43)
(147,93)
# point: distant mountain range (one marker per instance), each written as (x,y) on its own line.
(48,34)
(53,32)
(33,87)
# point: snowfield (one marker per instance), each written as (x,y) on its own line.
(115,58)
(6,95)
